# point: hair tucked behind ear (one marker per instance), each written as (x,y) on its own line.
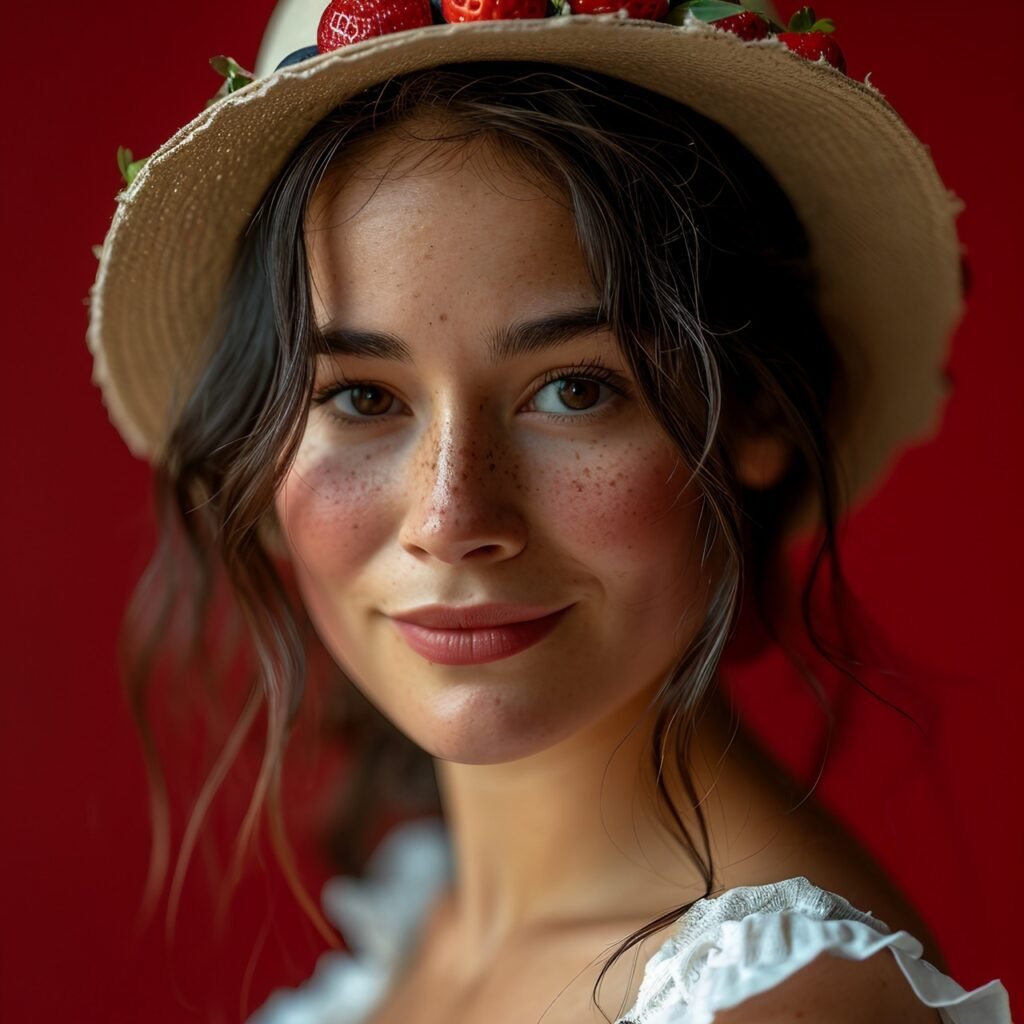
(703,271)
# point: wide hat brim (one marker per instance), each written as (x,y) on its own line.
(880,221)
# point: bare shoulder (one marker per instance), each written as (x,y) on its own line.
(832,990)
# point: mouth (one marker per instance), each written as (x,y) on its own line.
(474,644)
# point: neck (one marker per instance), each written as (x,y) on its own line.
(574,835)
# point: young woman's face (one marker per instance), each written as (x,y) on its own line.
(465,457)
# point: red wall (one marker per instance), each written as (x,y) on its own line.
(935,554)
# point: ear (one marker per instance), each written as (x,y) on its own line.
(761,460)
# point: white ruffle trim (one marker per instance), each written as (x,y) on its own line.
(725,949)
(378,915)
(725,953)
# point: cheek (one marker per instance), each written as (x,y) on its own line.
(621,500)
(330,506)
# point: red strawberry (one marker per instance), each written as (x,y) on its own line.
(492,10)
(813,46)
(645,10)
(350,21)
(748,25)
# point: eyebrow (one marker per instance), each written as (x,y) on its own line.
(519,338)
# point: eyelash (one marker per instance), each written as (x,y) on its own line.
(595,371)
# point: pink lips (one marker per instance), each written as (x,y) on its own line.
(475,634)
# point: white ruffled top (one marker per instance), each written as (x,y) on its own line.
(724,950)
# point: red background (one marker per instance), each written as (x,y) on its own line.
(934,553)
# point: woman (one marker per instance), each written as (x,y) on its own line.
(521,371)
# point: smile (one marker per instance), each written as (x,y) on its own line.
(480,645)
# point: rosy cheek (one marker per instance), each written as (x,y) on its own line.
(330,505)
(617,498)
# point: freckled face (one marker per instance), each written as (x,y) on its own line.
(454,479)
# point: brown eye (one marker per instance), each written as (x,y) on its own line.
(368,400)
(578,392)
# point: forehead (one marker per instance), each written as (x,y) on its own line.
(411,223)
(422,157)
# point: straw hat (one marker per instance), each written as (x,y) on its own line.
(880,221)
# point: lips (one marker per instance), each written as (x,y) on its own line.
(475,634)
(472,616)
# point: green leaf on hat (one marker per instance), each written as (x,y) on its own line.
(705,10)
(802,20)
(128,167)
(236,75)
(824,25)
(710,11)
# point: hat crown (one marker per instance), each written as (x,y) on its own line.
(293,25)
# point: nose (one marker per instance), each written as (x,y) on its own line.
(461,503)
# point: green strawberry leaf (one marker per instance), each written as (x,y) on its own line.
(710,11)
(134,168)
(127,166)
(802,20)
(706,10)
(124,158)
(824,25)
(236,75)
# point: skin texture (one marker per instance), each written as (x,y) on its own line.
(466,488)
(478,495)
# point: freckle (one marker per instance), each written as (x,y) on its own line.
(613,483)
(442,317)
(577,456)
(416,295)
(586,471)
(492,467)
(366,457)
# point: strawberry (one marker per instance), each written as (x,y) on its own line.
(747,25)
(808,35)
(646,10)
(814,46)
(492,10)
(350,21)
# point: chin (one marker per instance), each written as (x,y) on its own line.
(477,725)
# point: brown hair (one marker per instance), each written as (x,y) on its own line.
(704,273)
